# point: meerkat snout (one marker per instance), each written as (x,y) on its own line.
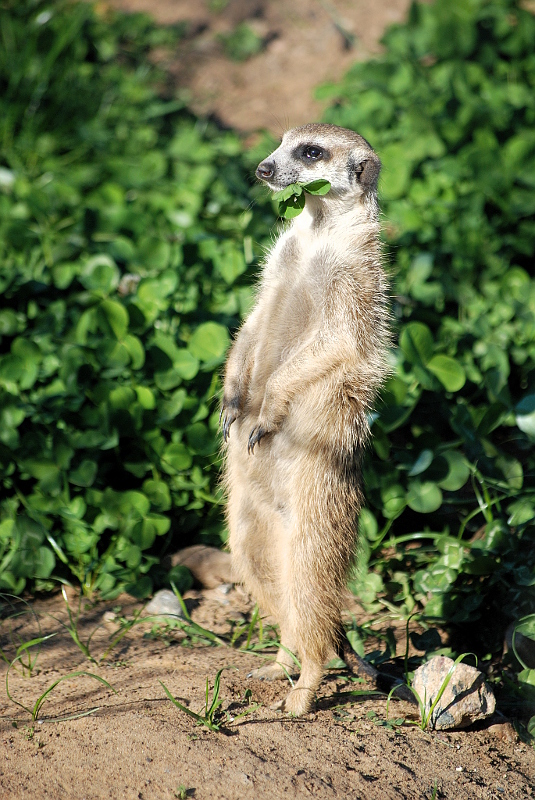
(265,170)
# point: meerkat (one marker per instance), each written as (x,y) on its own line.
(300,381)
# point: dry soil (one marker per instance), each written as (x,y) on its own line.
(136,745)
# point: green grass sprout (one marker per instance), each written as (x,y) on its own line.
(35,710)
(211,718)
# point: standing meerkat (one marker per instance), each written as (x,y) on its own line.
(300,380)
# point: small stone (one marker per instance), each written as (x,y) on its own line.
(503,731)
(208,565)
(109,616)
(165,604)
(466,699)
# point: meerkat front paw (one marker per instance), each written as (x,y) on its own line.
(297,702)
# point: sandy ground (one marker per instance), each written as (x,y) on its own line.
(138,745)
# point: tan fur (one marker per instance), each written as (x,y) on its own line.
(300,381)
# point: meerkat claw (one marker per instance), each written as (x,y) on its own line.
(256,434)
(228,417)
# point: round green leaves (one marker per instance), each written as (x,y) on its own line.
(291,199)
(417,343)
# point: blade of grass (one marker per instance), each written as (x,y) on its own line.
(197,717)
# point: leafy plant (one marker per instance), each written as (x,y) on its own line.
(291,199)
(125,231)
(241,43)
(128,245)
(391,724)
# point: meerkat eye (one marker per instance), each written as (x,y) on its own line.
(312,153)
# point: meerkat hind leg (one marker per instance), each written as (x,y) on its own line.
(302,698)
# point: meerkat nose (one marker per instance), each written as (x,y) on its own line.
(265,170)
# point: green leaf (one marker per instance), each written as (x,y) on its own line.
(527,676)
(200,439)
(176,458)
(135,350)
(122,397)
(368,525)
(525,415)
(185,364)
(394,500)
(318,187)
(356,642)
(100,274)
(181,577)
(44,563)
(424,497)
(448,371)
(145,397)
(458,471)
(158,494)
(84,474)
(117,317)
(209,343)
(292,190)
(292,207)
(423,461)
(416,342)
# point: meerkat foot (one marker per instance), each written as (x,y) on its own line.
(297,702)
(270,672)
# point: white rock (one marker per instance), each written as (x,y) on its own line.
(466,699)
(165,604)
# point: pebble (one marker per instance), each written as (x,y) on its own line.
(503,731)
(466,699)
(165,604)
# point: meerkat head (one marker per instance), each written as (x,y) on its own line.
(315,151)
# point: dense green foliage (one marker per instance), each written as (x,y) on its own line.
(127,253)
(122,230)
(450,107)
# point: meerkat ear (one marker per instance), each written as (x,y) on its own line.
(366,171)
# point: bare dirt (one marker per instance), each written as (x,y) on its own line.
(137,745)
(306,43)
